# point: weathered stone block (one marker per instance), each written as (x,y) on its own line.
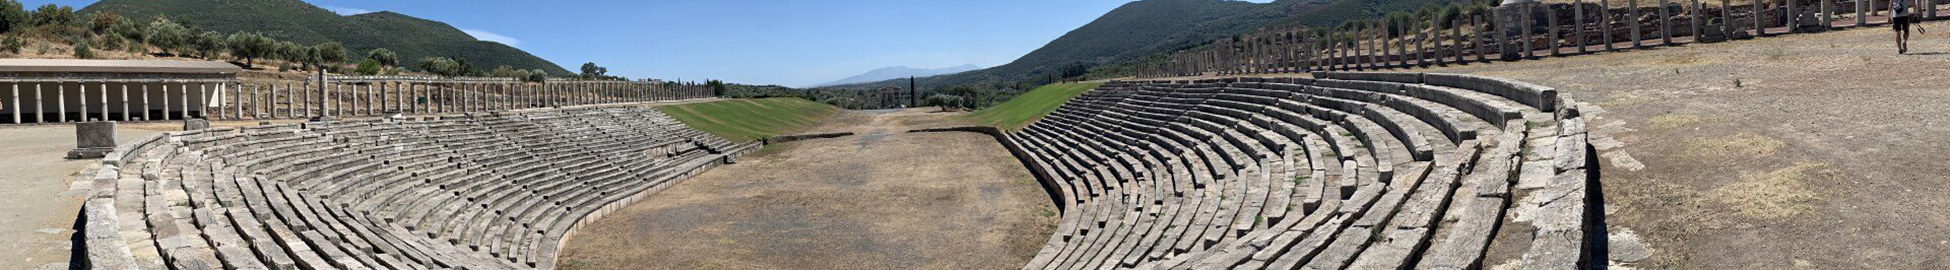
(93,140)
(196,124)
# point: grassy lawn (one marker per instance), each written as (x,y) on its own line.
(1025,109)
(743,120)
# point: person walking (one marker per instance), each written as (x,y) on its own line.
(1899,19)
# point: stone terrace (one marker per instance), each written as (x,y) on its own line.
(481,191)
(1346,171)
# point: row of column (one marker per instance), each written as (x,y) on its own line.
(36,101)
(1506,33)
(230,100)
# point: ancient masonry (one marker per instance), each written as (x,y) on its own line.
(58,100)
(1523,29)
(1340,171)
(474,191)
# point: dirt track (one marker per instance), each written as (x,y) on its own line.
(1811,151)
(882,199)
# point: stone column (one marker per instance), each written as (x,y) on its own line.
(1638,39)
(1456,38)
(1523,25)
(1550,19)
(1828,13)
(1577,22)
(1665,23)
(1696,13)
(104,107)
(40,105)
(1793,18)
(16,104)
(145,103)
(202,101)
(1608,22)
(61,97)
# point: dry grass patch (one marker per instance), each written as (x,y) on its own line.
(1745,145)
(1672,121)
(1777,194)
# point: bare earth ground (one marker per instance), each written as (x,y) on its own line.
(1811,151)
(37,207)
(882,199)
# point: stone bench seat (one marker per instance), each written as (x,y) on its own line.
(1290,173)
(481,191)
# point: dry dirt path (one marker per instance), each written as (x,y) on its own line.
(882,199)
(37,205)
(1811,151)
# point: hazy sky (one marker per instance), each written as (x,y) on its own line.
(787,42)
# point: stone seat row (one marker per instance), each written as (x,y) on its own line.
(481,191)
(1338,171)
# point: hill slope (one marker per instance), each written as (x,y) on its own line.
(1156,28)
(296,21)
(1126,34)
(900,72)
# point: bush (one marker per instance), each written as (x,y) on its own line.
(52,14)
(943,101)
(82,51)
(367,67)
(112,43)
(12,16)
(12,44)
(168,36)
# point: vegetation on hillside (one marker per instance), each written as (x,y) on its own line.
(743,120)
(1023,110)
(1149,31)
(414,40)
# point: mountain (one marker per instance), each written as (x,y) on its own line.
(900,72)
(296,21)
(1150,29)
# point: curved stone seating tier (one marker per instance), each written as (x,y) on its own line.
(485,191)
(1340,171)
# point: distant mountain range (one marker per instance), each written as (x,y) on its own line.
(900,72)
(296,21)
(1151,29)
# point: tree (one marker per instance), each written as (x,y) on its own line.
(537,75)
(12,16)
(442,66)
(168,36)
(52,14)
(592,71)
(289,51)
(208,44)
(367,67)
(250,47)
(384,57)
(102,21)
(329,53)
(81,50)
(503,71)
(130,29)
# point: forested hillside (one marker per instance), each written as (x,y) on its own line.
(292,20)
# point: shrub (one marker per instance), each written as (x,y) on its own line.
(12,16)
(367,67)
(112,43)
(82,51)
(168,36)
(12,44)
(384,57)
(52,14)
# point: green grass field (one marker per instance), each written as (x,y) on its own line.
(1025,109)
(744,120)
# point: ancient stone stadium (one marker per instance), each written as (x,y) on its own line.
(1163,134)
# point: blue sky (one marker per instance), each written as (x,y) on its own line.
(786,42)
